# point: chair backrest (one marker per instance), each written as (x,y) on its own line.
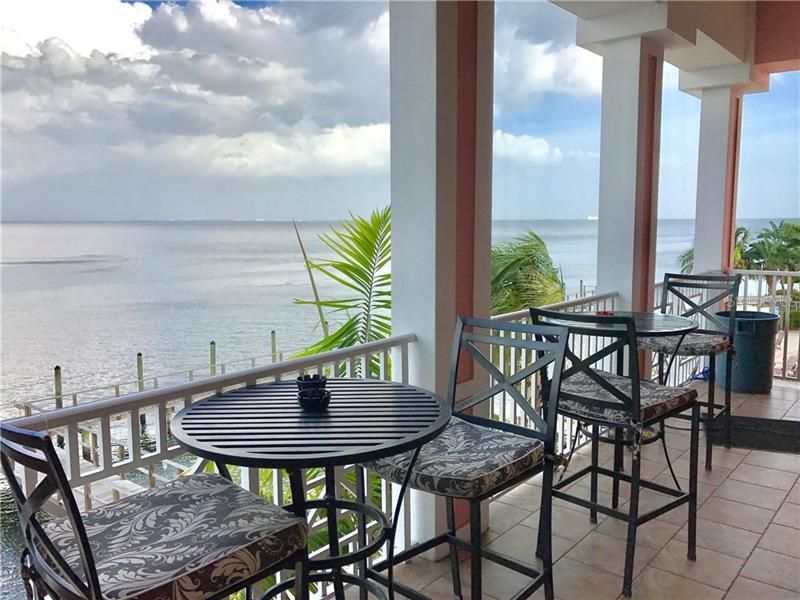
(698,297)
(545,346)
(612,337)
(34,450)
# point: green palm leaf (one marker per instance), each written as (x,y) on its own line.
(362,258)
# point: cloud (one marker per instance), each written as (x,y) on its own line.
(524,148)
(88,25)
(341,151)
(208,87)
(525,71)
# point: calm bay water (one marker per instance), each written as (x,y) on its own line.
(89,296)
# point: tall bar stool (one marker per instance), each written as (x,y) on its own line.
(624,405)
(475,458)
(712,338)
(200,536)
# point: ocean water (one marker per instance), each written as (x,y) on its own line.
(89,296)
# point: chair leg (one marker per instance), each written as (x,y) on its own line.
(693,456)
(476,579)
(451,528)
(712,384)
(545,530)
(301,573)
(595,461)
(618,465)
(633,517)
(728,384)
(362,525)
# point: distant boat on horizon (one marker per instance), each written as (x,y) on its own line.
(592,218)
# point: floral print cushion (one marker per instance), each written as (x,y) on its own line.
(185,540)
(465,460)
(694,344)
(654,400)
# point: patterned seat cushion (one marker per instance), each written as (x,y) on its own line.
(694,344)
(185,540)
(655,400)
(465,460)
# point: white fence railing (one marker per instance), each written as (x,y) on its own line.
(777,292)
(117,446)
(510,359)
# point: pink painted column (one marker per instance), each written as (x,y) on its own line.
(441,157)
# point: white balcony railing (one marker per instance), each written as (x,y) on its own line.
(117,446)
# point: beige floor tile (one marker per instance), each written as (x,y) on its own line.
(704,490)
(761,410)
(747,589)
(722,538)
(654,534)
(781,539)
(442,589)
(577,581)
(498,582)
(711,568)
(794,495)
(526,497)
(655,584)
(775,402)
(650,500)
(772,568)
(714,477)
(648,468)
(519,543)
(567,523)
(608,553)
(789,515)
(585,492)
(781,480)
(503,517)
(420,572)
(754,495)
(604,484)
(774,460)
(736,514)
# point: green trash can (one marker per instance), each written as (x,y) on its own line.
(754,355)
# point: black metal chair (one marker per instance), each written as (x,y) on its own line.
(712,338)
(475,458)
(624,405)
(200,536)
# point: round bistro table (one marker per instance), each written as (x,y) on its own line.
(648,324)
(264,426)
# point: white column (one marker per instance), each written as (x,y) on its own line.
(440,172)
(715,211)
(629,153)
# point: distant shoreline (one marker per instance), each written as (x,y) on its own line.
(284,221)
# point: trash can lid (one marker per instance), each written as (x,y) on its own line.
(750,315)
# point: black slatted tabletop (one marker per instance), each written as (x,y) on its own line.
(265,426)
(648,324)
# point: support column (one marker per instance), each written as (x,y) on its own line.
(717,167)
(629,154)
(441,156)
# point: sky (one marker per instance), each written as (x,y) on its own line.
(216,110)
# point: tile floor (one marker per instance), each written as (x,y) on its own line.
(748,529)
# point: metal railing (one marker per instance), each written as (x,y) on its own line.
(117,446)
(130,446)
(777,292)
